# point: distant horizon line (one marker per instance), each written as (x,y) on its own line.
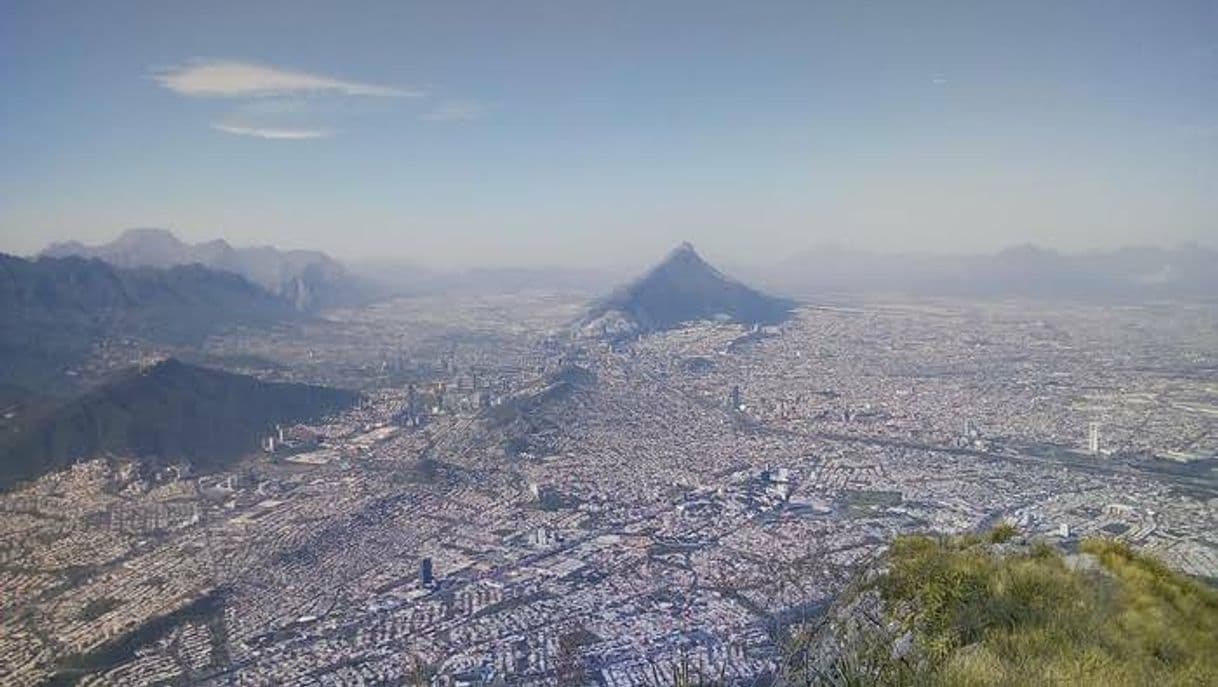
(794,254)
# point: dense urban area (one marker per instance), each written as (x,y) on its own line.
(512,501)
(541,343)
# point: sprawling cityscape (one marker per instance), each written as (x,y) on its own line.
(548,343)
(525,504)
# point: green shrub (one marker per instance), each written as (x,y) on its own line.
(1027,618)
(1003,532)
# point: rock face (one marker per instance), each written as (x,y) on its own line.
(307,280)
(682,288)
(54,310)
(60,285)
(166,412)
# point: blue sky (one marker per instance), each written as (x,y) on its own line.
(602,133)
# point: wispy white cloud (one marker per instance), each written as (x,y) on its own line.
(454,111)
(272,133)
(235,79)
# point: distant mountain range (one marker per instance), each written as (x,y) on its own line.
(683,287)
(91,286)
(163,413)
(53,310)
(307,280)
(1131,273)
(311,280)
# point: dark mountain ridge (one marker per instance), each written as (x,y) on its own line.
(307,280)
(54,310)
(91,285)
(162,413)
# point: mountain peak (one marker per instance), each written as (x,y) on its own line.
(684,251)
(685,257)
(144,234)
(683,248)
(681,288)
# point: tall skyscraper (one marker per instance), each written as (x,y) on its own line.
(425,573)
(1093,438)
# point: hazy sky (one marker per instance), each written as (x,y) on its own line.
(592,132)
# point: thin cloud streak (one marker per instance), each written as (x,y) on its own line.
(272,133)
(235,79)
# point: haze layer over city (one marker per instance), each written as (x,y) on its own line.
(627,343)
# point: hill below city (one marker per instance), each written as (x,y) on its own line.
(999,610)
(306,280)
(682,288)
(163,413)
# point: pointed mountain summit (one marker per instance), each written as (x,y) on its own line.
(682,288)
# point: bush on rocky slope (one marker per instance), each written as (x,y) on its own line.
(998,610)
